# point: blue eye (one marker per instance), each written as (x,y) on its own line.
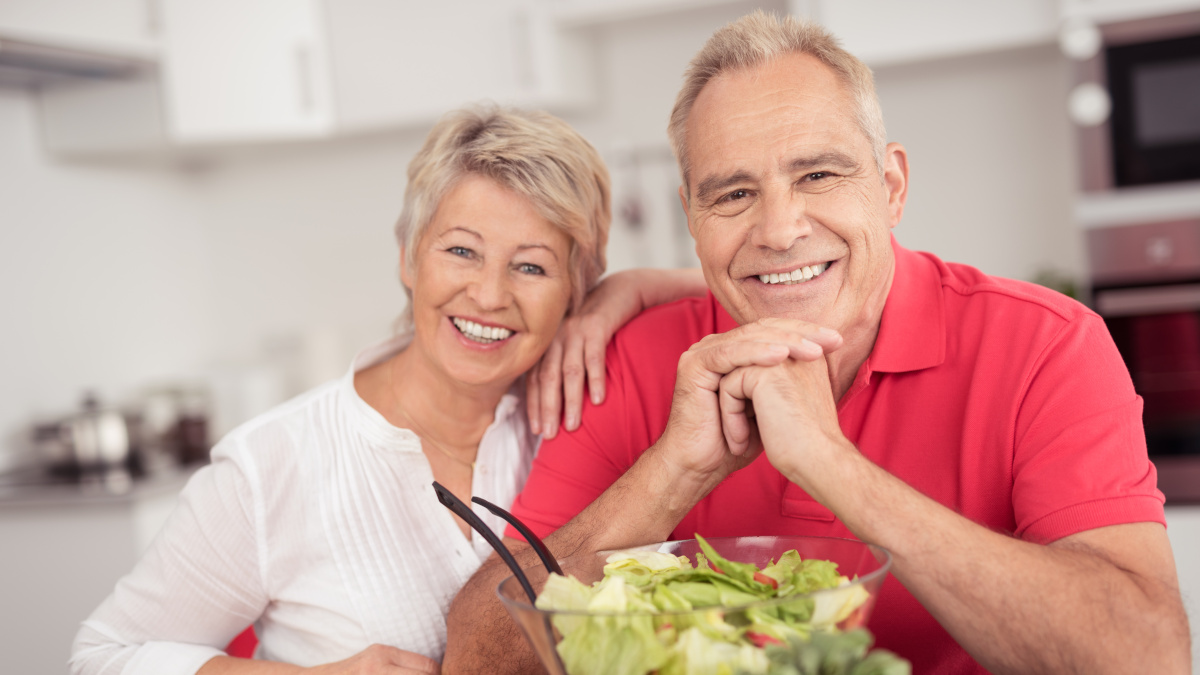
(460,251)
(530,268)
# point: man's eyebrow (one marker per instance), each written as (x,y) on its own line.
(706,188)
(834,160)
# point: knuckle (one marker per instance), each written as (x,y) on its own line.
(572,370)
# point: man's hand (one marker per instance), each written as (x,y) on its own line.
(697,440)
(789,409)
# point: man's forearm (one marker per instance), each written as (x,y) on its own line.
(1017,607)
(480,635)
(642,507)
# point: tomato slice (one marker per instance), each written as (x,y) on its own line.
(761,640)
(764,579)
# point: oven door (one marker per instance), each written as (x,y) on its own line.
(1157,330)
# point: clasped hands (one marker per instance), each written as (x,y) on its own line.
(761,387)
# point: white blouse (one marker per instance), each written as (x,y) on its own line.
(316,521)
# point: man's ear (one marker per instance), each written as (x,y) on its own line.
(405,273)
(686,214)
(895,179)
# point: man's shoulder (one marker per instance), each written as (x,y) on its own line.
(680,322)
(1023,297)
(658,336)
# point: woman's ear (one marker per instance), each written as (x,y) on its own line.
(405,272)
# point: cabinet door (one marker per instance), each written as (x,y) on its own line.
(237,70)
(117,26)
(408,62)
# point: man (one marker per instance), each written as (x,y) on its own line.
(984,431)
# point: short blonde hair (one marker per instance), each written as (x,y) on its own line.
(532,153)
(754,40)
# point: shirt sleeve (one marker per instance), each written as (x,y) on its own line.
(1080,460)
(574,468)
(197,586)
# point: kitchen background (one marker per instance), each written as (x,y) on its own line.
(220,221)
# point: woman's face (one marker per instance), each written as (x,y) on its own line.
(491,284)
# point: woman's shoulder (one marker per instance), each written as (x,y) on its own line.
(282,428)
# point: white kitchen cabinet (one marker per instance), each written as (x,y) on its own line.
(250,70)
(113,26)
(64,550)
(883,32)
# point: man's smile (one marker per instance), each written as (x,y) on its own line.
(796,276)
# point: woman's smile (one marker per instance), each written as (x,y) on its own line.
(481,333)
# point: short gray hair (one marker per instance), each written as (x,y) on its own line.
(758,38)
(532,153)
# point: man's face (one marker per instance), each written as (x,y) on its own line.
(783,180)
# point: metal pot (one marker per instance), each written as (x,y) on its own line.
(97,440)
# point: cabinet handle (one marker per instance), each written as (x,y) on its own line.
(304,83)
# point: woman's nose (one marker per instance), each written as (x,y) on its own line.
(782,220)
(491,288)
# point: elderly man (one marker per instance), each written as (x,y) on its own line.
(983,430)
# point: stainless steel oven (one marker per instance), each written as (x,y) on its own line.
(1146,285)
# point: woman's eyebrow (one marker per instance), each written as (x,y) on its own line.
(706,188)
(462,228)
(524,247)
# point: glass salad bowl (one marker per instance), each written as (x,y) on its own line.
(734,605)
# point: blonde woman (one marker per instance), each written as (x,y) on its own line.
(316,522)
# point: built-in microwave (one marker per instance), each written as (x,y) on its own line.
(1150,70)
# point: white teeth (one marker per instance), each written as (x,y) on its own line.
(795,276)
(482,334)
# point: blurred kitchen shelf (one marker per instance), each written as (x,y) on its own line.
(1138,205)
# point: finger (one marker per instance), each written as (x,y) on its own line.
(735,424)
(572,374)
(533,399)
(705,366)
(593,359)
(787,331)
(805,350)
(550,378)
(416,663)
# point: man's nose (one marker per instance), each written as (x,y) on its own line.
(782,221)
(491,287)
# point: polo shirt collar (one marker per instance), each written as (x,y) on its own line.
(912,331)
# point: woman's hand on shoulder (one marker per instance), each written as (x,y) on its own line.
(380,660)
(555,385)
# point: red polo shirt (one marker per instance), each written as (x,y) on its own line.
(1002,400)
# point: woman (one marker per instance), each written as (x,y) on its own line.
(317,521)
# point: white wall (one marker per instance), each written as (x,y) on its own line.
(104,276)
(992,160)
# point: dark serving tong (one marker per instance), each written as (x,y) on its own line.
(463,511)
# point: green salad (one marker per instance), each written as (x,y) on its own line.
(730,633)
